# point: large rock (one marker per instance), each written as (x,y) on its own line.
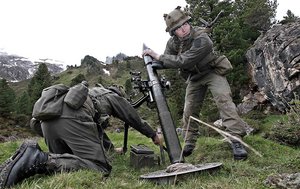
(274,62)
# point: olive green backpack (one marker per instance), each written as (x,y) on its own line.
(50,104)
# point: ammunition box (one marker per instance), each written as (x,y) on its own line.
(142,156)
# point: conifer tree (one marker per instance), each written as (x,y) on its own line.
(7,98)
(40,80)
(290,17)
(23,104)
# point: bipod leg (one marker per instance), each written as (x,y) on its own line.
(126,127)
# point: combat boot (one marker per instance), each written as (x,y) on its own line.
(190,143)
(9,160)
(239,152)
(4,165)
(28,160)
(188,149)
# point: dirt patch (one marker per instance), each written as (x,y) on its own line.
(15,128)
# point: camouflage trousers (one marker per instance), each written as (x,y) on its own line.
(221,92)
(74,145)
(69,162)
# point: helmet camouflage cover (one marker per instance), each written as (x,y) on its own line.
(175,19)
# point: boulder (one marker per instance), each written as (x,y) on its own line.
(274,66)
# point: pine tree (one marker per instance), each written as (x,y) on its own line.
(7,98)
(40,80)
(23,104)
(290,17)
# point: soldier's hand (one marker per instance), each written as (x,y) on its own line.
(151,53)
(156,140)
(119,151)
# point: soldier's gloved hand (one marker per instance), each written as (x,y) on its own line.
(152,53)
(157,65)
(156,140)
(119,151)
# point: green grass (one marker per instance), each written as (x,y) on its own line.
(233,174)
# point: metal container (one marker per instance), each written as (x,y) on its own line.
(142,156)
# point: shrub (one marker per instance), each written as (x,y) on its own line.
(287,131)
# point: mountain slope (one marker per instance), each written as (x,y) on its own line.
(15,68)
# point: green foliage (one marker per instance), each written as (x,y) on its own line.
(176,93)
(210,112)
(78,79)
(258,14)
(23,104)
(122,68)
(128,65)
(128,87)
(72,72)
(233,174)
(290,17)
(40,80)
(82,179)
(236,30)
(175,112)
(287,130)
(102,81)
(7,98)
(21,120)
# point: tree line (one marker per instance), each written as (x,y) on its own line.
(23,103)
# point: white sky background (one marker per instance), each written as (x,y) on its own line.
(67,30)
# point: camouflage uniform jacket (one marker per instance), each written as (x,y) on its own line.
(110,103)
(191,55)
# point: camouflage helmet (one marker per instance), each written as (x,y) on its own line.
(175,19)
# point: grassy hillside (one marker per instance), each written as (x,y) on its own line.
(252,173)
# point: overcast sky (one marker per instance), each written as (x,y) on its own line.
(67,30)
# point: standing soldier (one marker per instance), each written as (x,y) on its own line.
(190,50)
